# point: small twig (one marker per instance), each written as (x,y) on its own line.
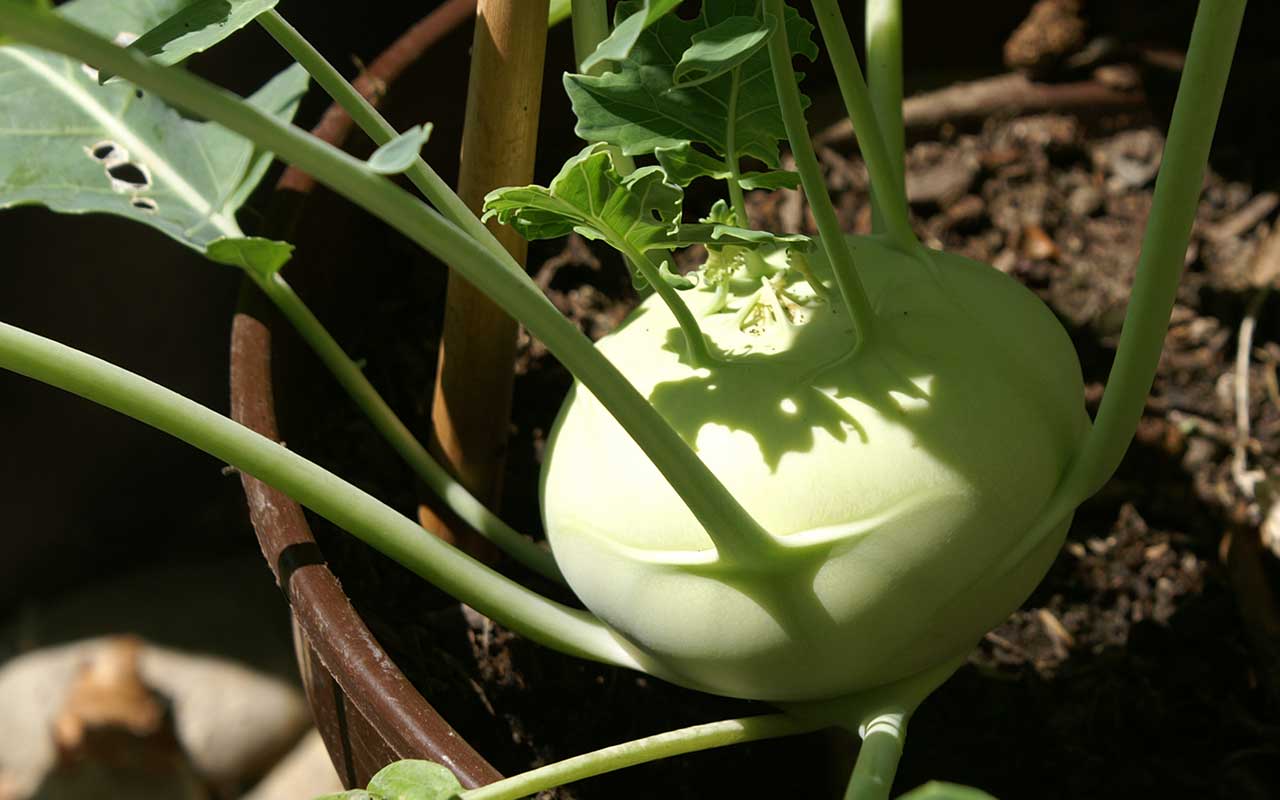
(335,125)
(1010,93)
(1246,480)
(1243,220)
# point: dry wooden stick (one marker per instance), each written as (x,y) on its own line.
(471,410)
(1012,93)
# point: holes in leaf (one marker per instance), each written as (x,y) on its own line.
(145,204)
(102,151)
(129,176)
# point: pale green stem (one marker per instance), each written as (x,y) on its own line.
(734,531)
(384,420)
(877,763)
(1164,246)
(640,751)
(815,188)
(736,196)
(886,183)
(348,507)
(884,85)
(698,353)
(590,28)
(376,127)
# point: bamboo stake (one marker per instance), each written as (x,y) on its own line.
(471,409)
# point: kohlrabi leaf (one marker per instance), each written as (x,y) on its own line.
(937,790)
(255,254)
(639,107)
(350,794)
(720,48)
(414,780)
(78,147)
(625,33)
(684,164)
(42,5)
(398,155)
(590,196)
(194,28)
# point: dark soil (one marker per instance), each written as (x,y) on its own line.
(1127,674)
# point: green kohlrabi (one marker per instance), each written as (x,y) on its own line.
(811,472)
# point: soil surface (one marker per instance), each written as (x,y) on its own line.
(1128,673)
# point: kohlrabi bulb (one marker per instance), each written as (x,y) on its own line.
(898,475)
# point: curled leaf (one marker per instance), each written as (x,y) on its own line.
(400,153)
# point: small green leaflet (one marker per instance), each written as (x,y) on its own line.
(414,780)
(640,212)
(400,153)
(255,254)
(194,28)
(639,107)
(937,790)
(626,31)
(78,147)
(684,164)
(590,197)
(720,48)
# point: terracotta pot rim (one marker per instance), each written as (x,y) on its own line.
(391,719)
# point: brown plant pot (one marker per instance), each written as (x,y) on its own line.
(365,709)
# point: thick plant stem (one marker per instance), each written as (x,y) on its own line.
(734,532)
(329,496)
(886,182)
(877,763)
(884,85)
(590,28)
(384,420)
(471,402)
(815,187)
(640,751)
(1173,210)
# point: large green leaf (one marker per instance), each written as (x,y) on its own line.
(195,27)
(77,147)
(720,48)
(617,46)
(639,106)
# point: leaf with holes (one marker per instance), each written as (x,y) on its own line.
(618,44)
(194,28)
(639,106)
(77,147)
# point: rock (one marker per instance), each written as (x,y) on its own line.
(305,773)
(233,722)
(1051,32)
(114,736)
(942,183)
(1084,201)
